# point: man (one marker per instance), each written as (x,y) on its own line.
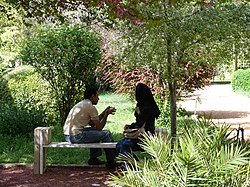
(84,125)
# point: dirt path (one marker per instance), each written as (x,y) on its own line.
(222,105)
(15,175)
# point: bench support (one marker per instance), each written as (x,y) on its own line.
(42,136)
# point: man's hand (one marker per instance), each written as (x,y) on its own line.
(110,110)
(99,124)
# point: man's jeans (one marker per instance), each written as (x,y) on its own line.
(92,135)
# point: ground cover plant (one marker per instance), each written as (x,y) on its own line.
(201,156)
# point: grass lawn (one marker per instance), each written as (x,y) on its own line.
(20,149)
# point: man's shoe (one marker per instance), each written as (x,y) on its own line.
(95,161)
(112,165)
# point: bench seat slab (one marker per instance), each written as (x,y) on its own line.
(85,145)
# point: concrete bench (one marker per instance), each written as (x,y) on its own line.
(42,140)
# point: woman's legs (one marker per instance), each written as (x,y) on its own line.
(124,146)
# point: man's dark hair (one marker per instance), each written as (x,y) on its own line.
(90,91)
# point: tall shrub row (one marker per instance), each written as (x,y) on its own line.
(241,81)
(27,102)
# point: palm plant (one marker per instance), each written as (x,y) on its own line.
(202,156)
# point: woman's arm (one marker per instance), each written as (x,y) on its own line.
(142,117)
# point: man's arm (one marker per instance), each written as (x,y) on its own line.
(99,124)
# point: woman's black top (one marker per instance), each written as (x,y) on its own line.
(146,115)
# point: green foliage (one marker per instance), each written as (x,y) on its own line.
(201,156)
(241,82)
(16,149)
(124,79)
(28,102)
(4,90)
(66,57)
(164,119)
(11,28)
(16,120)
(47,8)
(177,37)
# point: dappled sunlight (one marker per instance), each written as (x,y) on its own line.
(220,104)
(218,114)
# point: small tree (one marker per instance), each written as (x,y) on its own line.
(65,56)
(169,35)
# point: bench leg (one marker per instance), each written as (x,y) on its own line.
(42,136)
(36,164)
(42,158)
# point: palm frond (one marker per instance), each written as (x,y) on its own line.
(201,156)
(159,148)
(230,157)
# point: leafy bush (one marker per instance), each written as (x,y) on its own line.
(27,104)
(202,156)
(19,121)
(241,81)
(195,76)
(66,57)
(164,119)
(123,79)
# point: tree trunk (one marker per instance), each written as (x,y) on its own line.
(172,90)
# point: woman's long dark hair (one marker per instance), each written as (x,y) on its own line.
(144,95)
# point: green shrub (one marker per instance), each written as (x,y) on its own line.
(65,56)
(164,119)
(19,121)
(18,149)
(28,102)
(241,81)
(202,156)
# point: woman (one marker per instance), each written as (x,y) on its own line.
(146,113)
